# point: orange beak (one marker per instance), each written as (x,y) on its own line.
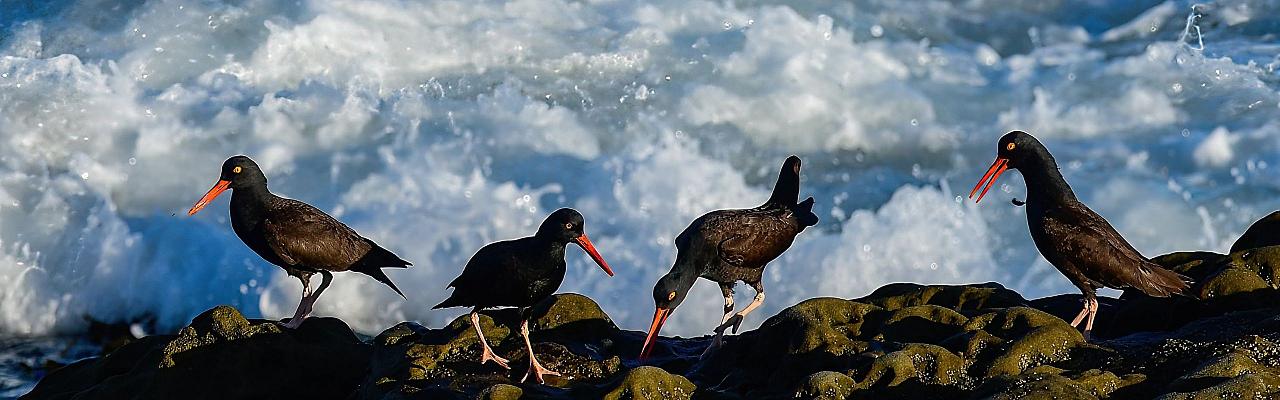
(595,255)
(659,317)
(998,167)
(217,189)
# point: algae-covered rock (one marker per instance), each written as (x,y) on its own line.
(916,370)
(222,355)
(1034,386)
(1231,374)
(651,383)
(1033,338)
(960,298)
(570,335)
(904,341)
(501,392)
(826,385)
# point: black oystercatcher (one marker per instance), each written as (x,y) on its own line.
(520,273)
(294,235)
(1076,240)
(726,246)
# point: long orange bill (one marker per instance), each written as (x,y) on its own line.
(998,167)
(595,255)
(659,317)
(217,189)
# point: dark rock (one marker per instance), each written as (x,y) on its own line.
(501,392)
(571,335)
(221,355)
(1261,233)
(903,341)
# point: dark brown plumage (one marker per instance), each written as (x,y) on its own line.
(295,236)
(727,246)
(1076,240)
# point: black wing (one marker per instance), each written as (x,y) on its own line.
(1080,237)
(304,236)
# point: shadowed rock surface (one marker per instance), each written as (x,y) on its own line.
(903,341)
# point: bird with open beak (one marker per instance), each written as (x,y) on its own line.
(1077,241)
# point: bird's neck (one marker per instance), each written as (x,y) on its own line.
(1045,183)
(786,191)
(684,279)
(554,248)
(253,196)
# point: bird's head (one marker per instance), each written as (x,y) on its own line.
(1016,149)
(237,172)
(668,293)
(566,225)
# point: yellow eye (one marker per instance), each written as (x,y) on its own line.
(671,296)
(568,225)
(235,170)
(1010,146)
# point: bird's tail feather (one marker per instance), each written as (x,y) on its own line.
(1160,282)
(375,260)
(804,213)
(449,302)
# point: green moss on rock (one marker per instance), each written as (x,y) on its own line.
(961,298)
(501,391)
(826,385)
(1033,338)
(925,363)
(651,383)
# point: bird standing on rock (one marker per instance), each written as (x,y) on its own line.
(1076,240)
(520,273)
(294,235)
(726,246)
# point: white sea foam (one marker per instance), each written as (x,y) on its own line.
(436,127)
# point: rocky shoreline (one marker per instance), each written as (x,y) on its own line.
(902,341)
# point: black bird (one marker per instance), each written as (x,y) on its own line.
(294,235)
(520,273)
(726,246)
(1076,240)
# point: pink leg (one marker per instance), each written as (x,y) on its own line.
(488,354)
(304,308)
(308,299)
(1093,311)
(535,368)
(1080,317)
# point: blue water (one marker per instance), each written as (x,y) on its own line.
(436,127)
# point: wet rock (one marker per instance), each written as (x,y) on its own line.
(827,385)
(1034,386)
(501,392)
(961,298)
(570,335)
(247,358)
(903,341)
(651,383)
(1033,338)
